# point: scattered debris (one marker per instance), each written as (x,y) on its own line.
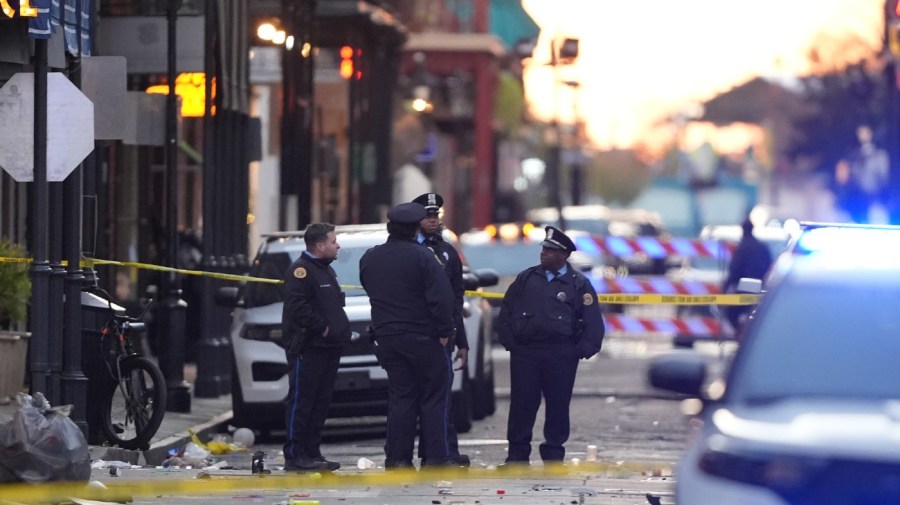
(258,463)
(583,491)
(653,500)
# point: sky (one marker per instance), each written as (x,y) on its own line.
(640,61)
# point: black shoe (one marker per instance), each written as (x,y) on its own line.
(452,462)
(463,460)
(513,464)
(310,465)
(396,464)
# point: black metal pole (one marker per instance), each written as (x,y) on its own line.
(40,267)
(55,301)
(74,382)
(172,311)
(206,386)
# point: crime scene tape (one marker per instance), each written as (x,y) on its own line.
(656,299)
(654,284)
(654,247)
(617,298)
(697,326)
(222,482)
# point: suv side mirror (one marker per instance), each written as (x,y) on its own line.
(470,281)
(678,372)
(228,296)
(748,285)
(487,277)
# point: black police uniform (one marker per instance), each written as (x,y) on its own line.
(751,259)
(412,307)
(450,260)
(313,301)
(547,326)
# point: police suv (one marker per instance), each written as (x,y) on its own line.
(259,377)
(809,408)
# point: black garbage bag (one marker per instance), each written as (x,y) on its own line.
(41,444)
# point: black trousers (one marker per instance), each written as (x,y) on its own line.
(419,378)
(537,370)
(452,437)
(311,378)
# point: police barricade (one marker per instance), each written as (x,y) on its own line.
(677,284)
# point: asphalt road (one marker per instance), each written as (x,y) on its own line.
(638,433)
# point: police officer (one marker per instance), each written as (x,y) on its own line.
(412,322)
(549,319)
(430,235)
(314,328)
(751,259)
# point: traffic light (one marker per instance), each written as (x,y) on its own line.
(346,62)
(349,58)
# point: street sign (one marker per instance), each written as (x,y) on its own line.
(70,127)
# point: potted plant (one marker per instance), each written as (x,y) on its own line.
(15,293)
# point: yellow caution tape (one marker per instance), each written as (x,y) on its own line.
(228,482)
(656,299)
(613,299)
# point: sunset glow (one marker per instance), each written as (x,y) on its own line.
(641,62)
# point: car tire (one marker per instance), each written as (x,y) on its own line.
(489,398)
(462,406)
(241,412)
(483,398)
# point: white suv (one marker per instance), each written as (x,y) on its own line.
(259,377)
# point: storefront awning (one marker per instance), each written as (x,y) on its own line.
(511,23)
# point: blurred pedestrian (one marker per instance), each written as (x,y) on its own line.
(430,228)
(412,323)
(549,319)
(314,328)
(751,259)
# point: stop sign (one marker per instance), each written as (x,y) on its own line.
(70,127)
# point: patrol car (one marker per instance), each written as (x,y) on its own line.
(259,377)
(809,408)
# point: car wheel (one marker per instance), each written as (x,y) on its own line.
(462,407)
(483,398)
(489,398)
(239,410)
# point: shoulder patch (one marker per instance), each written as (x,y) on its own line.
(300,272)
(587,298)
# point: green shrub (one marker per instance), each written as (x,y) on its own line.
(15,284)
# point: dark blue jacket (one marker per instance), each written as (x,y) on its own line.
(313,301)
(408,290)
(564,310)
(449,258)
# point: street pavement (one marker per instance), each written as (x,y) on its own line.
(143,478)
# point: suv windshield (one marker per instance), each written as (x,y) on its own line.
(798,349)
(274,266)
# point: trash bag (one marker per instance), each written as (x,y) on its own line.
(42,444)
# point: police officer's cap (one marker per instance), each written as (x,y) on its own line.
(556,239)
(406,213)
(431,201)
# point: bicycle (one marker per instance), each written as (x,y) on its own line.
(134,403)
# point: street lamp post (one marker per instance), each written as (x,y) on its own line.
(565,54)
(172,311)
(576,165)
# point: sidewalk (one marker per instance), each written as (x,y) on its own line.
(207,415)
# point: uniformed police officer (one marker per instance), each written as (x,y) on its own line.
(314,328)
(430,235)
(549,319)
(412,321)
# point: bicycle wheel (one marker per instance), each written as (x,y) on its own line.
(133,410)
